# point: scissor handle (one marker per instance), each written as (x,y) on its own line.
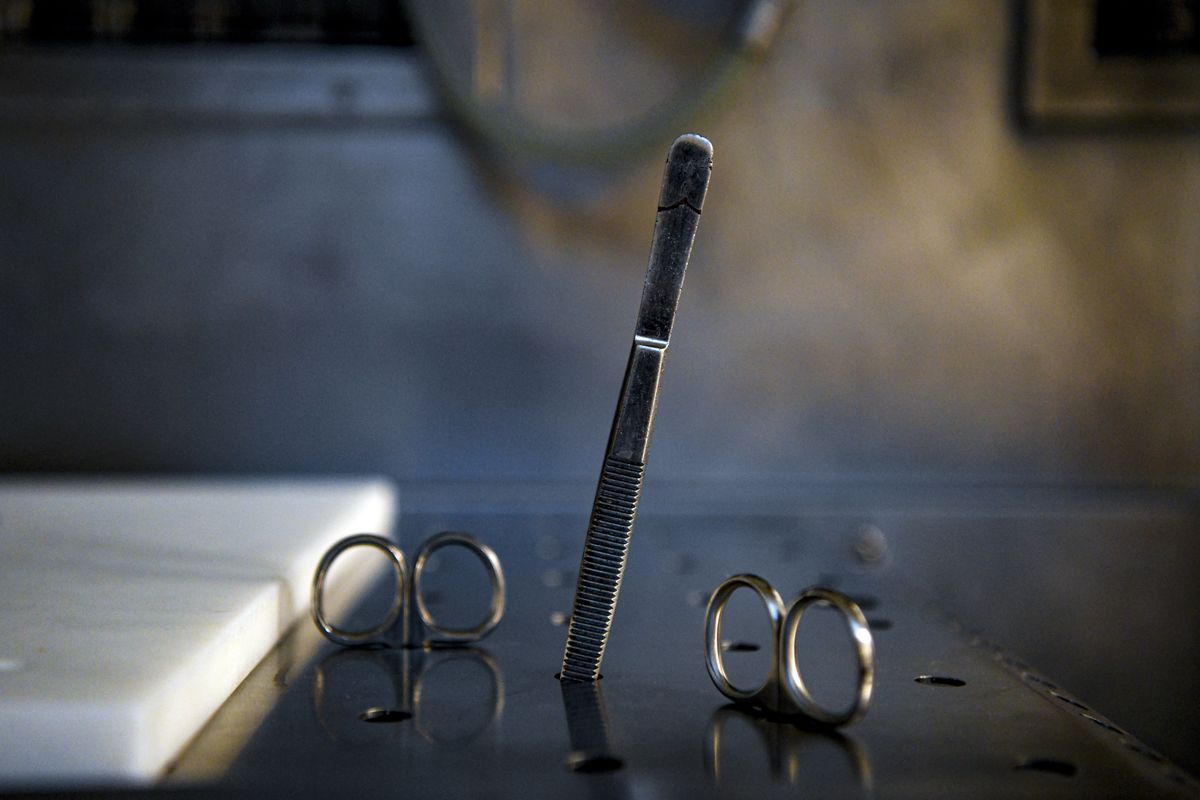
(783,691)
(864,650)
(768,694)
(495,574)
(354,638)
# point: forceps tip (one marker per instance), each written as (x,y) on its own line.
(685,179)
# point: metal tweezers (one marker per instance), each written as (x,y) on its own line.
(606,549)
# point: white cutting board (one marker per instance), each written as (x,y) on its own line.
(130,610)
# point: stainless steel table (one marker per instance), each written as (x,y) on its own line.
(953,715)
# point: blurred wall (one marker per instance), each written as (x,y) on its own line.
(265,260)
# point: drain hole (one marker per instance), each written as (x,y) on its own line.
(384,715)
(739,647)
(879,624)
(1051,765)
(1069,701)
(593,761)
(1145,751)
(1103,724)
(939,680)
(866,602)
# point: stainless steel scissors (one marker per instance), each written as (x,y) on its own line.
(408,592)
(784,692)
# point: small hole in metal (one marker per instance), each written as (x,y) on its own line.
(593,761)
(1051,765)
(1069,701)
(866,602)
(384,715)
(739,647)
(939,680)
(1107,726)
(879,624)
(1039,680)
(1145,751)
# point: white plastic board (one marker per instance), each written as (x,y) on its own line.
(130,610)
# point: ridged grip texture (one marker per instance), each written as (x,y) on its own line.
(604,555)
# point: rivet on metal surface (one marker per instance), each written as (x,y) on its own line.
(870,546)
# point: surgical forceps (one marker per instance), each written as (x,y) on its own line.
(784,691)
(606,548)
(407,591)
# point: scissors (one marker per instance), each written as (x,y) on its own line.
(407,591)
(784,691)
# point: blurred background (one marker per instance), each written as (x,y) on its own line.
(946,289)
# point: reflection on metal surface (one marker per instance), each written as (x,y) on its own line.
(784,691)
(345,724)
(460,699)
(785,745)
(408,596)
(410,675)
(588,727)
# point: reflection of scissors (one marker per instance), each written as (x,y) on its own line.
(409,673)
(405,588)
(784,691)
(784,745)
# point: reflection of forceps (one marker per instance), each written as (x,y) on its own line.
(784,691)
(406,589)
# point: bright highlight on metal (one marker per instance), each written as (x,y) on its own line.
(606,549)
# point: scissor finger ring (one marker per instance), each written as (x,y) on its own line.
(399,565)
(407,591)
(491,562)
(784,690)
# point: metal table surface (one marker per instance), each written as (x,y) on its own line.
(492,718)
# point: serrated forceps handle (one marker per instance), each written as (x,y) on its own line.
(606,549)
